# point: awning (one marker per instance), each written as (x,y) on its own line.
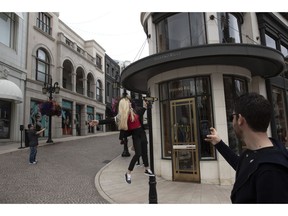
(10,91)
(259,60)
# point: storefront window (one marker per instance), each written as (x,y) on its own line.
(67,117)
(90,114)
(37,119)
(280,115)
(197,89)
(99,117)
(180,30)
(5,117)
(233,87)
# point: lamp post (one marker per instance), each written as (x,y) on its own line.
(49,88)
(152,179)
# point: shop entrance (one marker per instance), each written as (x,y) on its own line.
(184,140)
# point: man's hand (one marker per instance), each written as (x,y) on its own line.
(213,137)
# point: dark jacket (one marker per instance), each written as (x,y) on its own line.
(261,175)
(32,137)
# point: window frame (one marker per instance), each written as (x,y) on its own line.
(43,22)
(45,62)
(236,145)
(11,43)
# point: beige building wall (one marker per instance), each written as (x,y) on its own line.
(80,53)
(13,68)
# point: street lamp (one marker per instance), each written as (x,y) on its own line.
(49,88)
(152,179)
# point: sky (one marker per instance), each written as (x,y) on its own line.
(120,34)
(115,24)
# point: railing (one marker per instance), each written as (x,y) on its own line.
(79,50)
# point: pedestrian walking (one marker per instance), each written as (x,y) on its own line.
(129,119)
(262,169)
(33,136)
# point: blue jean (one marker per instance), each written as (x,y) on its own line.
(33,152)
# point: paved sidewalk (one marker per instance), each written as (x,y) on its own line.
(110,183)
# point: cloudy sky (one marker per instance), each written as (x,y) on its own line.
(120,34)
(115,24)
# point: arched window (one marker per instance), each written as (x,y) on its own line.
(42,66)
(99,91)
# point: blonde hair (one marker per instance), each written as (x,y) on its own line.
(124,109)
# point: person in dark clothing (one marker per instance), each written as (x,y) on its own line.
(123,137)
(262,169)
(131,120)
(33,135)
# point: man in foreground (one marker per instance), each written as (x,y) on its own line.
(262,169)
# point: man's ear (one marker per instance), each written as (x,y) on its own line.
(241,120)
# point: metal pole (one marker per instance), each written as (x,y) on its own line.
(152,179)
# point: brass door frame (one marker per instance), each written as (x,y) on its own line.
(185,160)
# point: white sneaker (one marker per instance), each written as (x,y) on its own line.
(128,178)
(148,172)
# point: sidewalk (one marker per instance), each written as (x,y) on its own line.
(110,182)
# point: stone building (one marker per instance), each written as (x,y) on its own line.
(198,64)
(59,57)
(13,39)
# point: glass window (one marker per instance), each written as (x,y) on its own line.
(270,42)
(67,117)
(197,26)
(233,87)
(99,62)
(90,116)
(99,117)
(166,132)
(42,66)
(7,26)
(229,28)
(280,115)
(99,95)
(180,30)
(44,22)
(37,119)
(5,118)
(198,88)
(284,50)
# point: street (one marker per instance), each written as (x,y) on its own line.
(65,172)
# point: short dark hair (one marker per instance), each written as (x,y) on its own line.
(29,126)
(255,109)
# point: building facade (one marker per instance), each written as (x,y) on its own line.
(13,71)
(112,87)
(57,56)
(198,64)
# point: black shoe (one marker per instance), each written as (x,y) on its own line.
(128,178)
(125,154)
(148,172)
